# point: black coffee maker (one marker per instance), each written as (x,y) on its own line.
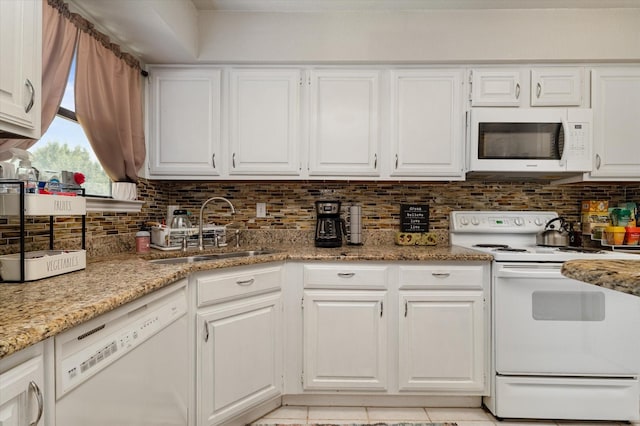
(329,226)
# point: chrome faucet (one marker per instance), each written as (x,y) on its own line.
(201,226)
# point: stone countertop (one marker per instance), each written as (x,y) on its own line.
(33,311)
(620,275)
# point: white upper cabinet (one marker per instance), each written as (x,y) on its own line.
(496,88)
(556,86)
(264,130)
(427,123)
(616,125)
(523,87)
(21,69)
(344,127)
(184,122)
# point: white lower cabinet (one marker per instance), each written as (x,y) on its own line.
(21,388)
(239,343)
(441,341)
(414,328)
(345,340)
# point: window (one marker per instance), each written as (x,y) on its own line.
(65,147)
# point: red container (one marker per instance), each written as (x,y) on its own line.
(632,235)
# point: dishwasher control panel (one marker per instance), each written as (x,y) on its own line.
(100,343)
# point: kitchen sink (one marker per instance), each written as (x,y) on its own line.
(213,256)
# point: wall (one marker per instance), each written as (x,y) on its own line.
(517,35)
(290,205)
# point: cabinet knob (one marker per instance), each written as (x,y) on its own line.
(538,90)
(233,160)
(598,161)
(517,90)
(213,160)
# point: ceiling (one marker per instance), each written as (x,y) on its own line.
(335,5)
(166,31)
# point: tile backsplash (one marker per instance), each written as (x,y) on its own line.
(290,206)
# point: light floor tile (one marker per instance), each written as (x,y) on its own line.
(288,412)
(338,413)
(269,422)
(458,414)
(476,423)
(397,414)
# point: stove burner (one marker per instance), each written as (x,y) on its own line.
(580,249)
(517,250)
(504,246)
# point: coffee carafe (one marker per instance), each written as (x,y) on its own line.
(329,226)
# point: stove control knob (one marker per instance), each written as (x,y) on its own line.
(538,221)
(475,221)
(518,221)
(464,221)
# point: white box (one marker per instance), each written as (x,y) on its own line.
(42,264)
(44,205)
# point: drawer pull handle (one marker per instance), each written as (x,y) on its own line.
(32,95)
(246,282)
(441,274)
(33,387)
(346,274)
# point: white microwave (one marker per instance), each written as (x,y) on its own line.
(525,140)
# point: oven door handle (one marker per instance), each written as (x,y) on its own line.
(530,271)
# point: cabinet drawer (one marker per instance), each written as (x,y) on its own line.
(345,275)
(217,287)
(441,276)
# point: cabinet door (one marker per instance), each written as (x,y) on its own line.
(556,87)
(345,340)
(344,123)
(21,59)
(21,401)
(616,127)
(442,341)
(427,123)
(264,129)
(497,88)
(184,122)
(239,357)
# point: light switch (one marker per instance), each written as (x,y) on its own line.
(261,209)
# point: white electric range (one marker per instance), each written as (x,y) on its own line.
(561,348)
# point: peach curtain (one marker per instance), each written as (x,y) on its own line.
(108,93)
(58,44)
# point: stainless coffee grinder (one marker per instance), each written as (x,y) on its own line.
(329,225)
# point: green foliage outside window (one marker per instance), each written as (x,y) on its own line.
(55,156)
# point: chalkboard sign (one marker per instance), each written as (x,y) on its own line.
(414,218)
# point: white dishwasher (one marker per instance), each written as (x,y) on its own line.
(128,367)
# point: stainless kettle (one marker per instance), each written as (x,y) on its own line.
(552,237)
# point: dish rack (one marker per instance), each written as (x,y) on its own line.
(166,238)
(29,266)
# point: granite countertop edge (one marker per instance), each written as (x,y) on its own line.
(619,275)
(34,311)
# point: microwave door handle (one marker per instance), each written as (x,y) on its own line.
(565,150)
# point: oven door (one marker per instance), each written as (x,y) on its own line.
(547,324)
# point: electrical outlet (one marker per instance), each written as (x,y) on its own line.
(261,209)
